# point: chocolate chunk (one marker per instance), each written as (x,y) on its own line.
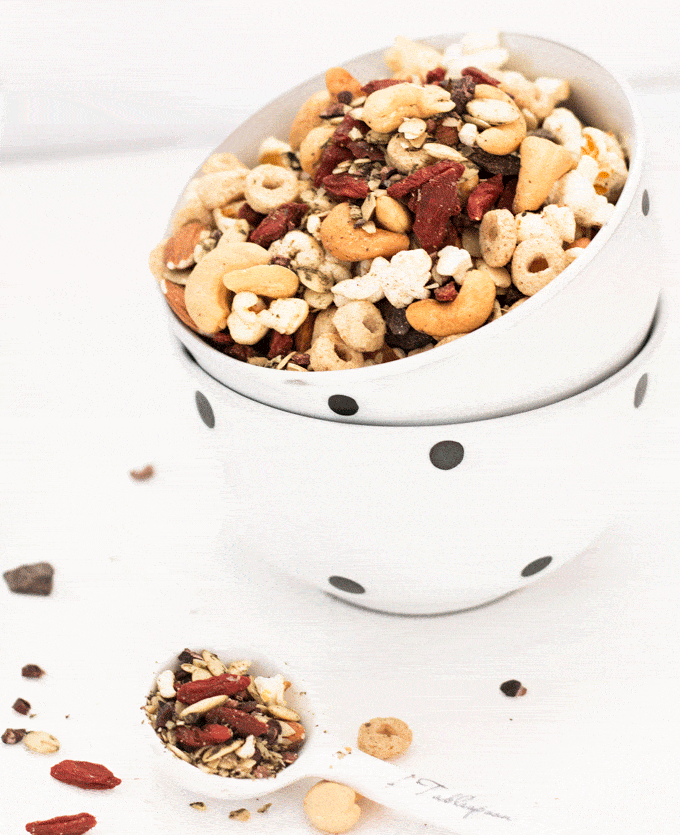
(395,318)
(164,713)
(506,164)
(513,688)
(409,341)
(13,735)
(22,706)
(35,578)
(32,671)
(462,91)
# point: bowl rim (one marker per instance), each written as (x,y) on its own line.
(650,345)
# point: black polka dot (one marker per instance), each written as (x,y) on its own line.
(446,454)
(343,584)
(645,202)
(536,566)
(205,410)
(341,404)
(640,391)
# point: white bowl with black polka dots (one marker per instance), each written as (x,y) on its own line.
(432,518)
(586,324)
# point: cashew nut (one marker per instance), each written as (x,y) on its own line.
(347,243)
(384,110)
(243,323)
(308,117)
(469,310)
(505,138)
(267,187)
(542,163)
(409,58)
(206,297)
(271,280)
(339,80)
(312,147)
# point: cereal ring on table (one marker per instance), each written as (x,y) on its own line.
(384,738)
(360,325)
(497,237)
(329,353)
(269,186)
(535,263)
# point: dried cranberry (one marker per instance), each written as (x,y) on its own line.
(435,76)
(479,76)
(379,84)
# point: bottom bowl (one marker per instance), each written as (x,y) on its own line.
(433,518)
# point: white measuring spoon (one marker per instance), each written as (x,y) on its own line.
(445,801)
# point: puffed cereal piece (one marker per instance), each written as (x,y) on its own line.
(576,190)
(497,237)
(536,262)
(221,187)
(608,153)
(360,325)
(329,353)
(267,187)
(332,807)
(384,738)
(284,315)
(566,128)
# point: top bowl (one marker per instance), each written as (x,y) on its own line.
(589,322)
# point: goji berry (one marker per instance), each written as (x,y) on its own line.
(438,201)
(277,223)
(63,825)
(479,76)
(436,75)
(279,344)
(243,723)
(85,775)
(224,685)
(331,156)
(345,185)
(483,196)
(194,737)
(379,84)
(507,197)
(422,175)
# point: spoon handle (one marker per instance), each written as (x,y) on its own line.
(446,803)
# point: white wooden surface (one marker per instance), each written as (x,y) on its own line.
(108,108)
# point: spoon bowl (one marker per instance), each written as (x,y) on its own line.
(443,802)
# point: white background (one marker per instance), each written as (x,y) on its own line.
(107,110)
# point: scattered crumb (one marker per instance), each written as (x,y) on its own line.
(144,474)
(198,804)
(264,808)
(240,815)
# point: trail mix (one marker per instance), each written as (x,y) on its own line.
(401,213)
(224,721)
